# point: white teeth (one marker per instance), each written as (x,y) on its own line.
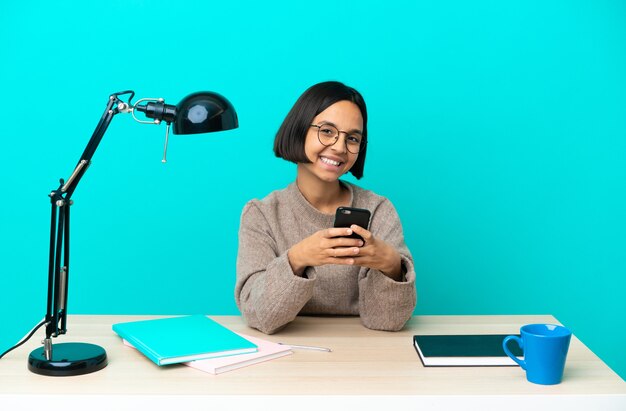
(329,161)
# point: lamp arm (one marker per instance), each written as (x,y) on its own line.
(58,267)
(113,107)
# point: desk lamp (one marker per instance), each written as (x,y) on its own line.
(201,112)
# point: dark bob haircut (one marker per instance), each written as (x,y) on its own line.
(289,141)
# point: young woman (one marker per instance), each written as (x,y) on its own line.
(291,260)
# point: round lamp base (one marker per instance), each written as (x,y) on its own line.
(68,359)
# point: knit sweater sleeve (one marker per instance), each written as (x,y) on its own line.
(267,292)
(385,304)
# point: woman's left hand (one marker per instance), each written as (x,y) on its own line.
(377,254)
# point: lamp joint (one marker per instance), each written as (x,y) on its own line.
(123,107)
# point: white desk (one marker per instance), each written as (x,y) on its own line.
(365,369)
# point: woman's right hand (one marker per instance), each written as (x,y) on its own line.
(329,246)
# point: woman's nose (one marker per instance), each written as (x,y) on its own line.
(341,145)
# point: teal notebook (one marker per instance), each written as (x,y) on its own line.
(181,339)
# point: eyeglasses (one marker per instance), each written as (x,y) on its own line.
(329,135)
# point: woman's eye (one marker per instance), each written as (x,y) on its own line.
(327,131)
(354,139)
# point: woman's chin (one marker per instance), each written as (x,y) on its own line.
(326,174)
(329,176)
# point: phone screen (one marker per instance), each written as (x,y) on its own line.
(346,216)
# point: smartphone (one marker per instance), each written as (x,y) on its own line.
(346,216)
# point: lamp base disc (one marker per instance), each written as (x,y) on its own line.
(68,359)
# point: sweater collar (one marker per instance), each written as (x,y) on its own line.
(306,209)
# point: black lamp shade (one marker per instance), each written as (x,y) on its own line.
(204,112)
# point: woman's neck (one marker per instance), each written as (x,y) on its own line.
(325,196)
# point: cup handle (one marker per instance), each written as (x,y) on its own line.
(521,363)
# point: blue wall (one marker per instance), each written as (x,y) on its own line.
(498,129)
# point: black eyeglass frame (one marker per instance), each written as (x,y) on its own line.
(319,127)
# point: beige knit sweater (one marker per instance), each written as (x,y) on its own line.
(268,293)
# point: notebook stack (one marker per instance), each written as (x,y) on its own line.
(197,341)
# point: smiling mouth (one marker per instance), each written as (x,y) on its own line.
(330,162)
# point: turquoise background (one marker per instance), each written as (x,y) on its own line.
(498,129)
